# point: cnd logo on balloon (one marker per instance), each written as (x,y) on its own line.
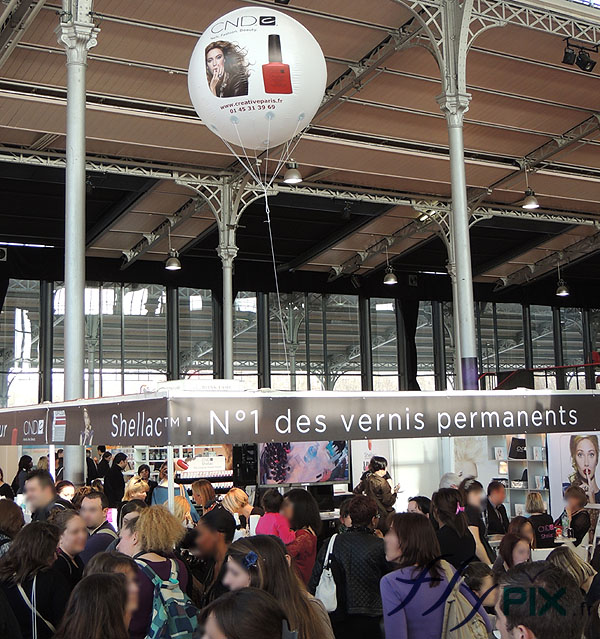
(243,21)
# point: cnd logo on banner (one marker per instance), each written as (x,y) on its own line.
(33,427)
(243,21)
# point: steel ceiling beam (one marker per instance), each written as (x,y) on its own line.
(332,240)
(164,228)
(574,252)
(558,22)
(118,211)
(540,156)
(210,177)
(15,24)
(430,223)
(318,133)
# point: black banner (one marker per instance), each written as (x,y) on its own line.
(229,418)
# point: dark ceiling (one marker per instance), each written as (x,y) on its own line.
(32,212)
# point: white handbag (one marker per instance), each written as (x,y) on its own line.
(326,589)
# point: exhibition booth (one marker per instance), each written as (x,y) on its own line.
(529,440)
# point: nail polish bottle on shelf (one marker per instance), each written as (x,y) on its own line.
(276,74)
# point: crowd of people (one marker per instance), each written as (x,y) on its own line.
(229,569)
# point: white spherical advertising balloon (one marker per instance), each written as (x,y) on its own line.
(257,77)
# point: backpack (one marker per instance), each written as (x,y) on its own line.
(174,616)
(456,610)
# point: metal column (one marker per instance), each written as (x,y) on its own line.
(401,348)
(217,335)
(366,347)
(46,338)
(561,382)
(439,345)
(264,345)
(527,339)
(454,21)
(173,363)
(227,251)
(464,328)
(588,347)
(77,33)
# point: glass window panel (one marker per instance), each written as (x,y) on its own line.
(19,340)
(144,335)
(572,347)
(111,381)
(245,338)
(542,337)
(287,330)
(342,342)
(595,328)
(424,340)
(511,348)
(195,332)
(488,347)
(449,346)
(316,344)
(384,344)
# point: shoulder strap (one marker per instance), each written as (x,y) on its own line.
(148,570)
(329,555)
(32,607)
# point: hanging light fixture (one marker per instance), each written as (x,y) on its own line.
(389,277)
(292,175)
(172,262)
(530,202)
(562,290)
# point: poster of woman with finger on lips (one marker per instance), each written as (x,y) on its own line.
(573,461)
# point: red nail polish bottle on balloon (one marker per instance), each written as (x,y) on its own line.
(276,74)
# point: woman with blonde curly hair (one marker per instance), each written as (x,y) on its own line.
(136,488)
(236,501)
(151,539)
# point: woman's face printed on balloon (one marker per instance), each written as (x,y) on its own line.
(586,459)
(215,62)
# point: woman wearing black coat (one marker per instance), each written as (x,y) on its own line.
(374,483)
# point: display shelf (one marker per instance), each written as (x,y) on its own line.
(534,464)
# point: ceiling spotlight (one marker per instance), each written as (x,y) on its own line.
(562,290)
(530,201)
(584,61)
(569,55)
(390,277)
(172,263)
(580,56)
(292,175)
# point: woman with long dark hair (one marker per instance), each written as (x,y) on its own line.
(73,536)
(375,483)
(260,562)
(11,521)
(97,609)
(18,483)
(411,544)
(245,614)
(30,583)
(5,490)
(226,69)
(513,550)
(457,544)
(302,511)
